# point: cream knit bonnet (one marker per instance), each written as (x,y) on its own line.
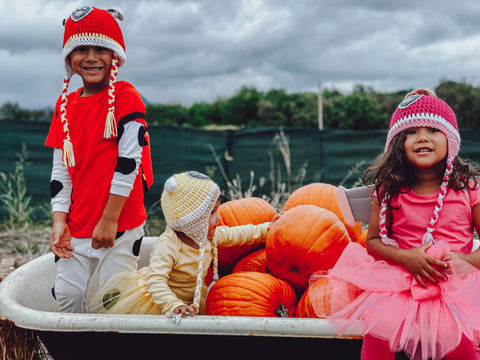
(187,202)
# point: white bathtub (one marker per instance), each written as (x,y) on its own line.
(26,300)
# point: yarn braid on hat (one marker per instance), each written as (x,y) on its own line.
(187,201)
(422,108)
(89,26)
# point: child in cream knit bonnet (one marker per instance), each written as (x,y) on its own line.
(172,283)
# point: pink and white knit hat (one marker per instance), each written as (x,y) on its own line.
(421,108)
(89,26)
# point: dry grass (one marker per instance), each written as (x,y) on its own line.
(20,344)
(23,245)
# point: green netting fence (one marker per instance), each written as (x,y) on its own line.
(249,155)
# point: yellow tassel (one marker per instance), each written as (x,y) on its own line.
(110,126)
(68,157)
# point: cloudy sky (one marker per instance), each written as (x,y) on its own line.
(187,51)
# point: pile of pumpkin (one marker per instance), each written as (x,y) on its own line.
(276,278)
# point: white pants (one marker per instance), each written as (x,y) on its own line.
(74,274)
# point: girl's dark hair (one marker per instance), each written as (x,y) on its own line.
(391,171)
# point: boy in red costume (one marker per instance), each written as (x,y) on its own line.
(101,157)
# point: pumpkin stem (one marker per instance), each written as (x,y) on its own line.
(281,311)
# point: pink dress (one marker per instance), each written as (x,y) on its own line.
(425,323)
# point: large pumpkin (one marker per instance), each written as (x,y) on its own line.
(316,300)
(249,210)
(323,195)
(304,240)
(256,261)
(251,294)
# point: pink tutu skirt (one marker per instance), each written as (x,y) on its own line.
(424,322)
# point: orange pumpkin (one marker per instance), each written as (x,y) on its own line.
(249,210)
(362,239)
(323,195)
(304,240)
(256,261)
(316,300)
(304,306)
(251,294)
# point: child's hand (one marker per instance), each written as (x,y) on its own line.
(105,231)
(182,309)
(424,267)
(104,234)
(61,237)
(448,256)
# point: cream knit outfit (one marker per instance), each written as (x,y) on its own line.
(169,280)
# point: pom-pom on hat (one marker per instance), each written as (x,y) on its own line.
(187,201)
(89,26)
(422,108)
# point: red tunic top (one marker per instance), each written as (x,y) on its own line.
(96,157)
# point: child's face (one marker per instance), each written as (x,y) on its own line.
(93,64)
(425,146)
(213,220)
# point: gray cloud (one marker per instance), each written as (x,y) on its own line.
(191,51)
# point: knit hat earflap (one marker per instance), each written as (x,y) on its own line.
(422,108)
(89,26)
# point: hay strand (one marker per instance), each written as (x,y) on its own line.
(20,344)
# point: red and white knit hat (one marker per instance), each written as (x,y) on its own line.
(422,108)
(89,26)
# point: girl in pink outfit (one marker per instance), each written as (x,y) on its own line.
(418,273)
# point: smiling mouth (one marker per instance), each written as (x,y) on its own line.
(423,150)
(92,68)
